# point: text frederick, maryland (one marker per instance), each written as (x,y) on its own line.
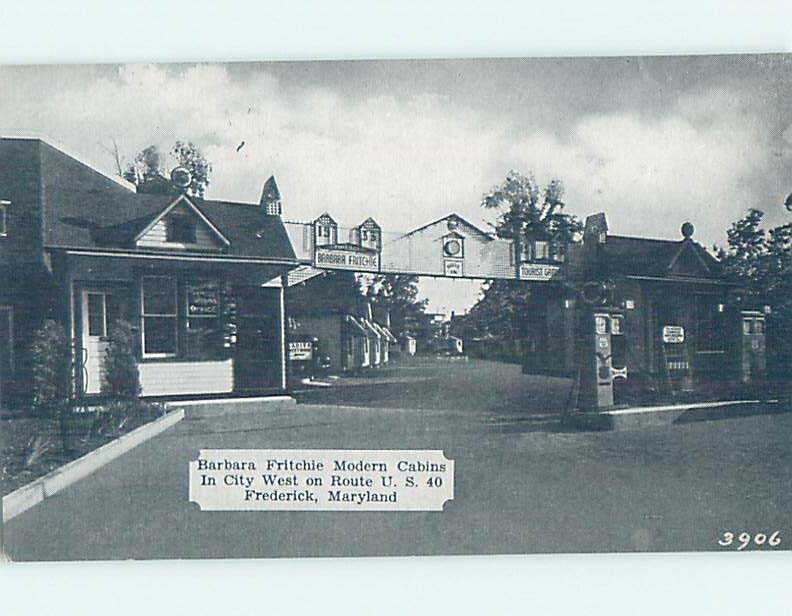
(321,480)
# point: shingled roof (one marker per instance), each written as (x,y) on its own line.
(637,256)
(84,209)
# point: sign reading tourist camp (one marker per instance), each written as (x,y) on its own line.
(348,259)
(321,480)
(535,271)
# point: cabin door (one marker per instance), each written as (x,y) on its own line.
(99,310)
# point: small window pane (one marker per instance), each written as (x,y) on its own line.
(203,338)
(159,295)
(3,220)
(159,335)
(96,315)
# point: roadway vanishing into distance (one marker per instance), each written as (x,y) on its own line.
(522,483)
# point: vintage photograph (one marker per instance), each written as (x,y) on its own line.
(396,307)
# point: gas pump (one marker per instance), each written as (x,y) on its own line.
(602,346)
(752,362)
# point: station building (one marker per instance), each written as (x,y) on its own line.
(681,324)
(200,280)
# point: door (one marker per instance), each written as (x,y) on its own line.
(6,353)
(99,310)
(257,354)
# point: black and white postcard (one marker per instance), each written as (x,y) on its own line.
(396,307)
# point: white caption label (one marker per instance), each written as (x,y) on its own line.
(321,480)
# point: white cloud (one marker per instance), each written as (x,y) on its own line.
(409,159)
(649,174)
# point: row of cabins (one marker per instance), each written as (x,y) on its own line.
(346,343)
(349,333)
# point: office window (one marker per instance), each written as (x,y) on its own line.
(158,298)
(542,250)
(203,335)
(709,324)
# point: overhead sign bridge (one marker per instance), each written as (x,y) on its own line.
(450,247)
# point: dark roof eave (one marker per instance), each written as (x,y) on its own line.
(681,279)
(193,256)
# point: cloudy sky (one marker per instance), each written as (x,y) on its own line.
(651,141)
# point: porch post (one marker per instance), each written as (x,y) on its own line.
(284,280)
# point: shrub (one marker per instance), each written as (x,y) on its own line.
(121,375)
(51,364)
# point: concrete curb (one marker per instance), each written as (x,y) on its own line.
(649,416)
(22,499)
(208,408)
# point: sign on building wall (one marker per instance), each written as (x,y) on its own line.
(453,268)
(332,257)
(536,271)
(203,299)
(300,350)
(673,334)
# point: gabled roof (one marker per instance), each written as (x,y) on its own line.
(85,209)
(455,218)
(639,256)
(370,326)
(384,331)
(326,218)
(356,325)
(369,223)
(182,199)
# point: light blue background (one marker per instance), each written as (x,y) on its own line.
(41,32)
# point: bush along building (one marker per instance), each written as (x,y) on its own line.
(647,318)
(200,281)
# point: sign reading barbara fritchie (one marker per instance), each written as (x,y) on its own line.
(321,480)
(536,271)
(326,257)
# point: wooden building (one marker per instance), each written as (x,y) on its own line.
(200,280)
(684,324)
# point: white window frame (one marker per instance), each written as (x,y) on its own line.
(143,316)
(4,218)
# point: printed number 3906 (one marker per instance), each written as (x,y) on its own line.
(744,539)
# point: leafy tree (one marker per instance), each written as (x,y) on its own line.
(397,294)
(190,157)
(150,174)
(502,318)
(761,262)
(527,211)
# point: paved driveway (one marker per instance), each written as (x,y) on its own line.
(522,485)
